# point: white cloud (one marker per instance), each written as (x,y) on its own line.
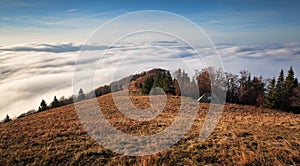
(30,72)
(71,10)
(52,47)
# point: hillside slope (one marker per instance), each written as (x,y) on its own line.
(244,135)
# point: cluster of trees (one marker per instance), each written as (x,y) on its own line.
(102,90)
(61,102)
(283,93)
(244,89)
(54,104)
(184,85)
(162,79)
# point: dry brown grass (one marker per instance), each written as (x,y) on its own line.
(245,135)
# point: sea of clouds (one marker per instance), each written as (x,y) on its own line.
(34,71)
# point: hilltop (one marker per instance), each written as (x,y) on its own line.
(245,135)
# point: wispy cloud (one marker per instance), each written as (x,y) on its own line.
(285,51)
(16,3)
(71,10)
(59,21)
(53,48)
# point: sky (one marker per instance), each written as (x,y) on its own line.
(247,21)
(40,42)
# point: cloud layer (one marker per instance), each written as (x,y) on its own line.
(52,48)
(30,72)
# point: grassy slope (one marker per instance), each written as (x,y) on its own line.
(245,135)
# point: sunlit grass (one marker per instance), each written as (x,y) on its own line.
(244,135)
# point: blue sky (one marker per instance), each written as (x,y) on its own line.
(233,21)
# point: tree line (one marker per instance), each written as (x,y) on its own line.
(62,101)
(161,79)
(282,93)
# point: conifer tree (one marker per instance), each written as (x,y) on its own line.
(290,84)
(280,87)
(81,95)
(7,119)
(168,86)
(270,99)
(146,87)
(43,106)
(164,81)
(55,103)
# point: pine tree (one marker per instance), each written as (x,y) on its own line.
(81,95)
(270,99)
(280,87)
(147,86)
(158,80)
(290,82)
(164,81)
(43,106)
(7,119)
(168,83)
(55,103)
